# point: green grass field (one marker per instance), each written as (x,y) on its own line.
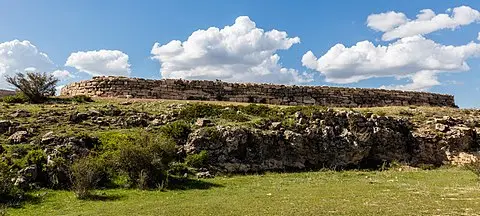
(450,191)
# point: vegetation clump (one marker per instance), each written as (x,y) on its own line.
(86,174)
(37,87)
(474,167)
(9,193)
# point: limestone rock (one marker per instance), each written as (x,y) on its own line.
(125,103)
(20,114)
(48,137)
(276,125)
(78,117)
(441,127)
(202,122)
(18,137)
(204,175)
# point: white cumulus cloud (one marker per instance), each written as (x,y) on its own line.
(19,56)
(386,21)
(100,63)
(62,74)
(415,57)
(237,53)
(397,25)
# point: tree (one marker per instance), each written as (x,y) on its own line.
(37,87)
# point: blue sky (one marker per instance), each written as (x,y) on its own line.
(59,29)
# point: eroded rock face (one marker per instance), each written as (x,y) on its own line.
(327,140)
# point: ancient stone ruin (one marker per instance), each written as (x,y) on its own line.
(254,93)
(4,92)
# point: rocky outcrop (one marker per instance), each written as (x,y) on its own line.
(327,140)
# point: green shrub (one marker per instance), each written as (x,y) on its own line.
(289,123)
(36,157)
(474,167)
(145,159)
(177,130)
(110,140)
(404,112)
(234,116)
(37,87)
(9,193)
(178,169)
(197,160)
(257,110)
(86,174)
(81,99)
(306,110)
(199,110)
(17,98)
(381,113)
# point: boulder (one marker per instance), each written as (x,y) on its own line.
(18,137)
(156,122)
(203,122)
(136,121)
(276,125)
(441,127)
(48,137)
(94,113)
(204,175)
(20,114)
(125,103)
(78,117)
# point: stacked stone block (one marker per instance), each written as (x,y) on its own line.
(249,92)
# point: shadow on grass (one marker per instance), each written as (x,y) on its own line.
(102,197)
(26,199)
(189,184)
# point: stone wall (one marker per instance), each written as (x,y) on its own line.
(6,92)
(249,92)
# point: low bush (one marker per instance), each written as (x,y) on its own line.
(86,174)
(36,157)
(197,160)
(145,160)
(199,110)
(257,110)
(234,116)
(176,168)
(9,193)
(177,130)
(474,167)
(306,110)
(17,98)
(404,112)
(81,99)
